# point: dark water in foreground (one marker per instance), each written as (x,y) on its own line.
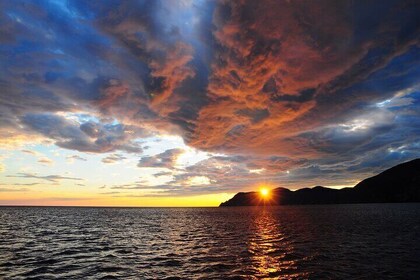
(373,241)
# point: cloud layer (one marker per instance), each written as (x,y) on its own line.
(316,88)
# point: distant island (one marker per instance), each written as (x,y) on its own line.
(398,184)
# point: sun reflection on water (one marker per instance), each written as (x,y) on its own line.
(271,250)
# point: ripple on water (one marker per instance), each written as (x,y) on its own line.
(288,242)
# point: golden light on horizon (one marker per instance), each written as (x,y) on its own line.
(264,192)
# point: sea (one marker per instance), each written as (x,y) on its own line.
(355,241)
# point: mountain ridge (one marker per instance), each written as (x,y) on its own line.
(400,183)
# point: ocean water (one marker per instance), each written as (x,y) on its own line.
(371,241)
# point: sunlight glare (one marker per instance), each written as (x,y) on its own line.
(264,192)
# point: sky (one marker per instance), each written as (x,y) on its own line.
(185,103)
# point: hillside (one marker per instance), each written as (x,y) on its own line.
(400,183)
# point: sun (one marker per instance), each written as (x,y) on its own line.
(264,192)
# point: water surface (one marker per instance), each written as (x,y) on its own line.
(324,241)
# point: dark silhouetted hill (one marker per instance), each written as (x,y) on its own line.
(400,183)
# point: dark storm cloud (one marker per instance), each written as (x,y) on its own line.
(300,67)
(315,87)
(118,59)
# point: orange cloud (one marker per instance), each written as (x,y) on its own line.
(173,69)
(274,65)
(113,91)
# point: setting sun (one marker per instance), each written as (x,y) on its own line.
(264,192)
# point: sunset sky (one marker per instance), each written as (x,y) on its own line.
(185,103)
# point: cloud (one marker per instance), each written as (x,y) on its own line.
(13,190)
(113,158)
(112,92)
(41,158)
(166,159)
(45,161)
(291,70)
(86,137)
(23,184)
(34,153)
(75,157)
(110,193)
(314,88)
(163,173)
(162,49)
(50,178)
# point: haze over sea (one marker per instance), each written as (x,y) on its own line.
(369,241)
